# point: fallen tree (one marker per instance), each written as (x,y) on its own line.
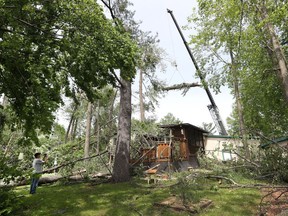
(75,176)
(73,162)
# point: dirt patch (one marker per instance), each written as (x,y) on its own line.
(274,202)
(177,205)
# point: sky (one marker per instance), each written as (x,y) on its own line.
(191,108)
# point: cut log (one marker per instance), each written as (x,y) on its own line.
(181,86)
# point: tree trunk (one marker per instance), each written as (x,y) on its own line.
(75,125)
(97,127)
(88,130)
(4,101)
(70,125)
(110,118)
(243,133)
(121,172)
(278,51)
(141,98)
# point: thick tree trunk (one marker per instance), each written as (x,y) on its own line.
(278,51)
(88,130)
(121,171)
(141,98)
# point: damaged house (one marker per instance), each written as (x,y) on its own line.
(177,149)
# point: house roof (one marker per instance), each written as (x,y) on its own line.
(183,125)
(219,136)
(276,141)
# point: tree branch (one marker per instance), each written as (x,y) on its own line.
(245,159)
(116,77)
(72,162)
(110,10)
(28,24)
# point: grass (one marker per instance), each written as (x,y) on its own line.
(133,198)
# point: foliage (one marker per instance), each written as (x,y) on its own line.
(210,127)
(169,119)
(9,201)
(187,188)
(50,47)
(103,123)
(233,47)
(274,164)
(9,169)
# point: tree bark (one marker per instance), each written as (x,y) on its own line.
(70,125)
(235,74)
(88,130)
(111,110)
(75,125)
(278,51)
(141,98)
(121,168)
(97,126)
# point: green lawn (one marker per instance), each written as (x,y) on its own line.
(134,198)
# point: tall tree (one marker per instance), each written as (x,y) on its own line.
(46,47)
(123,20)
(280,59)
(220,35)
(151,56)
(88,130)
(121,167)
(245,31)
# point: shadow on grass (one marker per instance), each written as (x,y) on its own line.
(85,199)
(127,199)
(233,202)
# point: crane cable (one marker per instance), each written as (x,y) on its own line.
(174,64)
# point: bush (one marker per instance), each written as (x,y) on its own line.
(9,202)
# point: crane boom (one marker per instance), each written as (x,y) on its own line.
(213,107)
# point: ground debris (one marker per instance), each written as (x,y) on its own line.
(176,204)
(274,202)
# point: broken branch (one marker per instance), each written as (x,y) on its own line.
(72,162)
(245,159)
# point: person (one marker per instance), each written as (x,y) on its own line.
(38,169)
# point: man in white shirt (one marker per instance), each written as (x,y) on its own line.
(38,169)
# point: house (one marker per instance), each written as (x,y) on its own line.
(177,149)
(220,146)
(282,141)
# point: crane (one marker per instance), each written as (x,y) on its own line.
(214,111)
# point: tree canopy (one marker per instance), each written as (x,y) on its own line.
(52,47)
(238,44)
